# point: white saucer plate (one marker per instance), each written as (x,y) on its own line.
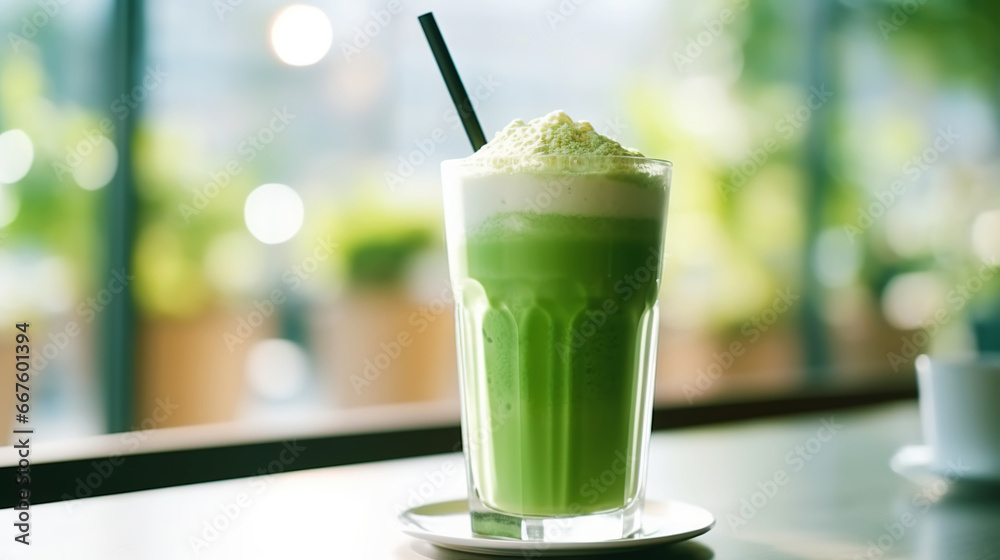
(915,462)
(447,524)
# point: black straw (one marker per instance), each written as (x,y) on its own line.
(458,95)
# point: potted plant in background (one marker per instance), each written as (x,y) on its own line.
(196,267)
(730,301)
(389,334)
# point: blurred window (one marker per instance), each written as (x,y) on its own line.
(834,213)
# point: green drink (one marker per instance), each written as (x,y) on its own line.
(555,261)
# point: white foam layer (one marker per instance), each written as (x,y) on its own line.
(478,196)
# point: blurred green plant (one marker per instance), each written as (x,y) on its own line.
(178,224)
(54,215)
(384,261)
(379,243)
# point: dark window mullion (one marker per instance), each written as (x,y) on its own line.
(118,326)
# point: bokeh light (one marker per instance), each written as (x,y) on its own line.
(233,263)
(908,228)
(274,213)
(53,285)
(9,205)
(711,114)
(913,298)
(277,368)
(16,155)
(985,235)
(301,35)
(96,169)
(837,260)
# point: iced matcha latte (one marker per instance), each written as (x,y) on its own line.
(555,236)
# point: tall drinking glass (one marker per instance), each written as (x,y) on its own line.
(555,263)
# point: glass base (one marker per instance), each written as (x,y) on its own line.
(608,525)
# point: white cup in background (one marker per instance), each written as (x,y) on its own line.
(960,414)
